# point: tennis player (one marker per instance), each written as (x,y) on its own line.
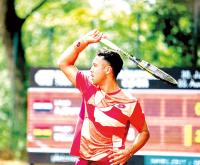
(106,112)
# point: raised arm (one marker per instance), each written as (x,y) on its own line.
(67,60)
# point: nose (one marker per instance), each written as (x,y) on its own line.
(91,70)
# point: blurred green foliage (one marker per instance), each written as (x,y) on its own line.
(141,28)
(160,33)
(5,106)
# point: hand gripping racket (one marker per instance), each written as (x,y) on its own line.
(155,71)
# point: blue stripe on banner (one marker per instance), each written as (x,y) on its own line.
(171,160)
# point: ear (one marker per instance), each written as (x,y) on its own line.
(108,69)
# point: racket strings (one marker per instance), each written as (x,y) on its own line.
(155,71)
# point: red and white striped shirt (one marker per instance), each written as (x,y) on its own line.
(104,120)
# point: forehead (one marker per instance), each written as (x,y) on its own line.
(100,60)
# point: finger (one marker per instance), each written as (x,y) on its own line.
(98,37)
(118,158)
(114,154)
(94,32)
(104,36)
(116,161)
(97,34)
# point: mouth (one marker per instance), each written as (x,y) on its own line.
(91,77)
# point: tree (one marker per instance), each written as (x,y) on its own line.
(10,30)
(178,21)
(12,19)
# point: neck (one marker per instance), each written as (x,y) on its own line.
(110,86)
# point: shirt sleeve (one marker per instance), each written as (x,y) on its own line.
(82,82)
(137,119)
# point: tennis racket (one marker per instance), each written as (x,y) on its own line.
(155,71)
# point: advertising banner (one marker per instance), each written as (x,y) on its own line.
(172,114)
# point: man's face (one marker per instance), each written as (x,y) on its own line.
(99,70)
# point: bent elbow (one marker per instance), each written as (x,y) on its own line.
(147,135)
(59,63)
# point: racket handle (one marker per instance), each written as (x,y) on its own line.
(109,44)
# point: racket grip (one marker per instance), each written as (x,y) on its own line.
(109,44)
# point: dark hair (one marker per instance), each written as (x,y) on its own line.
(113,58)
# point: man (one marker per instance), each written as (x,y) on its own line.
(106,111)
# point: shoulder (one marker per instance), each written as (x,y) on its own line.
(83,82)
(128,102)
(83,76)
(128,95)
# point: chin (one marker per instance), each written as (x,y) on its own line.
(94,82)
